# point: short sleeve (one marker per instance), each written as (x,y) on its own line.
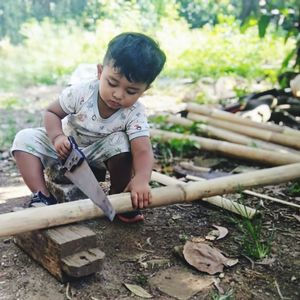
(137,124)
(72,98)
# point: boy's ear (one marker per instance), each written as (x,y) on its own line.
(99,70)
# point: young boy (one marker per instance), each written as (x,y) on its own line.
(106,120)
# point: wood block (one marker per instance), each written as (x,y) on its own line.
(49,247)
(83,263)
(65,192)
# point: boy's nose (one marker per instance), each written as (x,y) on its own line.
(117,94)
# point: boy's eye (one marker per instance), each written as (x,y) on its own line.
(131,92)
(111,83)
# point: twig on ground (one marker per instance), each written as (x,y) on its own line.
(68,292)
(251,261)
(278,290)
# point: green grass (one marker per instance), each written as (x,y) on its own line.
(7,133)
(255,239)
(51,51)
(294,189)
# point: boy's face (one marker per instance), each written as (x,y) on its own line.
(115,90)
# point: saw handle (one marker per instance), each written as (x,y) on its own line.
(75,158)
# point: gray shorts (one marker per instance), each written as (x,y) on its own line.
(36,142)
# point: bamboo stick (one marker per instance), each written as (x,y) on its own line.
(233,150)
(229,135)
(251,193)
(192,167)
(65,213)
(223,115)
(240,209)
(262,134)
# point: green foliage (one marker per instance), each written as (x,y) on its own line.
(180,148)
(199,12)
(52,48)
(9,103)
(7,133)
(294,189)
(253,243)
(141,279)
(285,15)
(226,296)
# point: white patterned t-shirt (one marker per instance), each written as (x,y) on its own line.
(86,125)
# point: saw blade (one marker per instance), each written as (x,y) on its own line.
(83,177)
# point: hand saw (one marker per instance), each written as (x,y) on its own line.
(76,168)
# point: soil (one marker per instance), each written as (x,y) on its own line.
(129,247)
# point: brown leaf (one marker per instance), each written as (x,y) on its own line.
(137,290)
(205,258)
(223,231)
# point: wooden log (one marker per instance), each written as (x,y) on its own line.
(65,251)
(269,136)
(229,135)
(219,201)
(226,116)
(44,217)
(233,150)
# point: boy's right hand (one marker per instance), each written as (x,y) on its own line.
(62,146)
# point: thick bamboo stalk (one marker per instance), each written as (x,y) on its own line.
(266,135)
(219,201)
(233,150)
(229,135)
(251,193)
(59,214)
(223,115)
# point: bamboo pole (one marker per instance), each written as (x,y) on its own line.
(190,166)
(266,135)
(223,115)
(233,150)
(229,135)
(65,213)
(235,207)
(251,193)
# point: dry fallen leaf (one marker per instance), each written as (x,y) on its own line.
(223,231)
(206,258)
(212,235)
(137,290)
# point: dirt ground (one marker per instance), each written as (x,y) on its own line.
(128,248)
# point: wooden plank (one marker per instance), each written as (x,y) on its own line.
(83,263)
(49,247)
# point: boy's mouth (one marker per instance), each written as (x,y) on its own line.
(114,104)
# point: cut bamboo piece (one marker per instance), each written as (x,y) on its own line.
(59,214)
(237,208)
(233,150)
(269,136)
(230,136)
(251,193)
(192,167)
(224,115)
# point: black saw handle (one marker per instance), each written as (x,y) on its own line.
(75,158)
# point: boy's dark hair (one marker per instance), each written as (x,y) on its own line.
(136,56)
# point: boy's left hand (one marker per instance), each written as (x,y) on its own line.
(140,192)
